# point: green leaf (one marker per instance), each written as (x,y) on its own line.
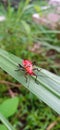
(47,87)
(5,122)
(9,107)
(2,127)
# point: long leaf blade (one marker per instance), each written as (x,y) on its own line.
(47,89)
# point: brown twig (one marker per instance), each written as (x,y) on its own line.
(9,83)
(11,93)
(53,124)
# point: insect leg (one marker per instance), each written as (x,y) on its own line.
(36,78)
(36,74)
(27,78)
(36,69)
(20,67)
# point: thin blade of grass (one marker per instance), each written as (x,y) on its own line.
(5,122)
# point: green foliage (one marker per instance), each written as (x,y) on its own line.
(2,127)
(9,107)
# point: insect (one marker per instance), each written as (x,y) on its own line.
(28,67)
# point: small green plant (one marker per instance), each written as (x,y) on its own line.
(7,109)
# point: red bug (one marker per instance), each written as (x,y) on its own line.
(28,67)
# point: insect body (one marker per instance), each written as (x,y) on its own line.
(28,67)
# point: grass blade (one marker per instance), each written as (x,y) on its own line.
(5,122)
(47,87)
